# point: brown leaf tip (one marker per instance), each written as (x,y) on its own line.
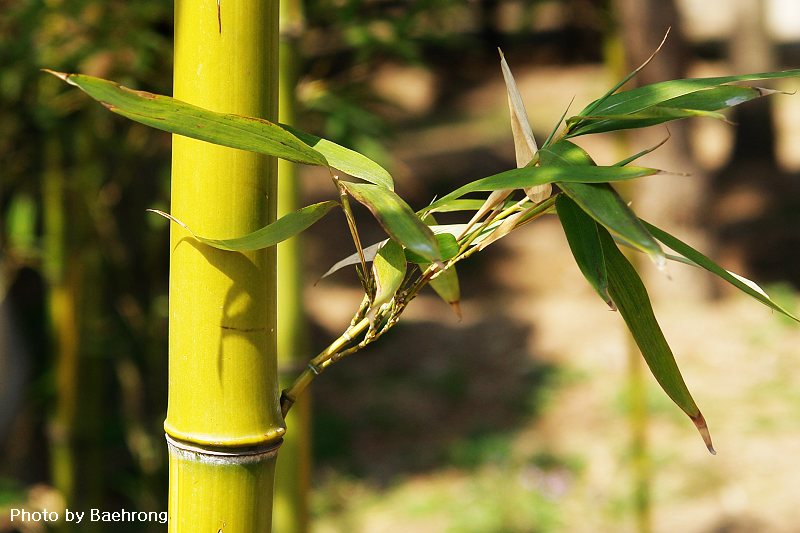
(702,427)
(456,307)
(60,75)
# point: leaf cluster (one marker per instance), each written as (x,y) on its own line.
(558,178)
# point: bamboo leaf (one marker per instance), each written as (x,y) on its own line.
(520,178)
(174,116)
(584,242)
(388,269)
(630,296)
(465,204)
(345,159)
(448,246)
(353,259)
(698,259)
(504,228)
(601,201)
(591,107)
(565,153)
(445,245)
(524,142)
(640,98)
(604,205)
(702,103)
(285,227)
(396,217)
(235,131)
(447,287)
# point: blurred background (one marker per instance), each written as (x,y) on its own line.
(532,413)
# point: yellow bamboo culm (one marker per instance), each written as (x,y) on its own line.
(223,419)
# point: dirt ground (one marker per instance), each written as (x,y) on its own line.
(516,418)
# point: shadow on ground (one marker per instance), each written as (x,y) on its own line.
(428,395)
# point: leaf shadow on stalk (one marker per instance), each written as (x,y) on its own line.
(430,395)
(237,267)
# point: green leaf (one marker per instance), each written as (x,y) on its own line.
(565,153)
(520,178)
(630,296)
(285,227)
(174,116)
(234,131)
(447,287)
(604,205)
(346,160)
(600,200)
(389,270)
(634,100)
(448,246)
(445,245)
(464,204)
(642,97)
(584,242)
(702,103)
(396,217)
(698,259)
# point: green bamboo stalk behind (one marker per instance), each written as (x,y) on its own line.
(638,416)
(292,481)
(223,418)
(63,318)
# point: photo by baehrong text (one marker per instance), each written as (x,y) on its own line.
(92,515)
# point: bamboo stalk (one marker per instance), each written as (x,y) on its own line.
(64,327)
(638,414)
(223,420)
(293,471)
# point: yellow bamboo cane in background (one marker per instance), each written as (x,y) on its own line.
(223,421)
(293,474)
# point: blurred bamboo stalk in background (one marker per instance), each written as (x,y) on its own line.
(223,420)
(293,474)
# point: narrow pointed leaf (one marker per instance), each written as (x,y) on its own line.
(604,205)
(466,204)
(285,227)
(447,287)
(495,198)
(389,269)
(520,178)
(506,226)
(601,201)
(591,107)
(448,246)
(345,159)
(642,153)
(396,217)
(702,103)
(700,260)
(584,242)
(641,98)
(524,142)
(174,116)
(353,259)
(235,131)
(565,153)
(630,296)
(445,245)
